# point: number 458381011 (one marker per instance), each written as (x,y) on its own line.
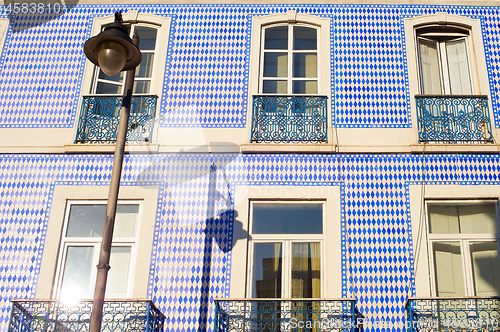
(17,8)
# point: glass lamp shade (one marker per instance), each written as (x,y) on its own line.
(112,57)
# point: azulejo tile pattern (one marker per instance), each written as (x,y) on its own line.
(207,68)
(193,233)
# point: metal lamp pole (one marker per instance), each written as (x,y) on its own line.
(114,33)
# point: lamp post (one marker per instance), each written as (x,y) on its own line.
(113,51)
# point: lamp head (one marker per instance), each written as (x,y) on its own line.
(112,49)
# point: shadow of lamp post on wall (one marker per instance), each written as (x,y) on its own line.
(113,51)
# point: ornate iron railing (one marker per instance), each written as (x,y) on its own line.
(294,315)
(100,116)
(296,119)
(453,119)
(54,315)
(453,314)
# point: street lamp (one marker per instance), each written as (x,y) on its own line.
(113,51)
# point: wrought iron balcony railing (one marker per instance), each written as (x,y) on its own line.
(294,315)
(453,119)
(100,116)
(54,315)
(295,119)
(453,314)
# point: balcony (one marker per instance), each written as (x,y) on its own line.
(453,314)
(270,315)
(289,119)
(100,116)
(53,315)
(453,119)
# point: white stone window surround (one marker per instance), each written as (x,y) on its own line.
(158,71)
(432,194)
(148,196)
(286,241)
(324,62)
(95,243)
(331,253)
(476,54)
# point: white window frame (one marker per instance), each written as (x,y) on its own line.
(286,240)
(477,59)
(158,71)
(290,52)
(97,70)
(323,25)
(95,242)
(463,239)
(443,57)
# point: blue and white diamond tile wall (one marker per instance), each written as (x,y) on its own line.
(207,69)
(191,259)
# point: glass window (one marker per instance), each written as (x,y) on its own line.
(80,250)
(444,61)
(464,240)
(143,73)
(286,241)
(290,60)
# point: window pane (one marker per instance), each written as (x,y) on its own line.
(305,87)
(458,67)
(478,219)
(486,268)
(77,271)
(443,219)
(126,220)
(142,86)
(465,219)
(119,261)
(448,268)
(115,78)
(267,270)
(276,38)
(86,220)
(306,270)
(429,67)
(274,87)
(108,89)
(145,68)
(275,64)
(147,38)
(287,219)
(305,65)
(304,38)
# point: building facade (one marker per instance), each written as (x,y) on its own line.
(342,152)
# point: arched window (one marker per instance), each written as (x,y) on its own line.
(444,60)
(289,54)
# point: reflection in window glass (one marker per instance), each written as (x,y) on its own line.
(305,87)
(274,87)
(448,269)
(119,261)
(486,268)
(87,220)
(147,38)
(275,64)
(276,38)
(271,218)
(305,65)
(464,219)
(306,270)
(304,38)
(77,271)
(267,270)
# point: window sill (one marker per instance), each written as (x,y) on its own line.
(110,148)
(289,147)
(455,148)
